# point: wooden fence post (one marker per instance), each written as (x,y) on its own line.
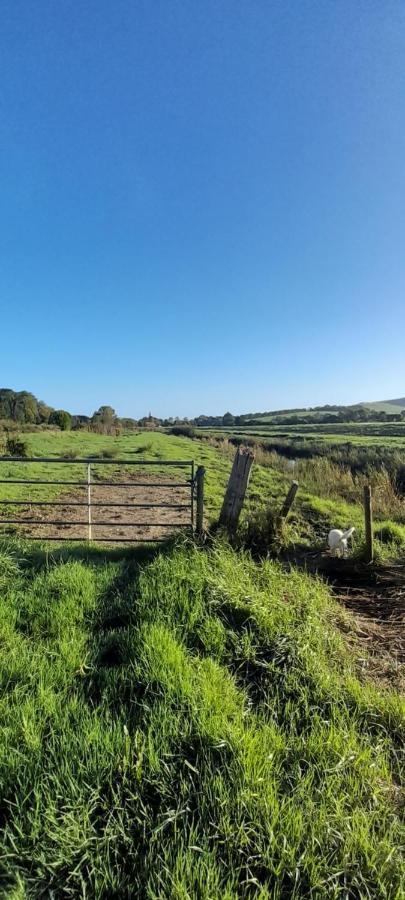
(200,500)
(288,502)
(368,523)
(236,489)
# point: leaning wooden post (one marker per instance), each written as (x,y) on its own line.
(89,500)
(288,502)
(236,489)
(200,474)
(368,523)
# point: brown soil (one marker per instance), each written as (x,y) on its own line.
(125,524)
(375,596)
(378,605)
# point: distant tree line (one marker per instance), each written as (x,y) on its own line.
(345,414)
(23,409)
(323,414)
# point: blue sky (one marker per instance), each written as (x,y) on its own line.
(202,203)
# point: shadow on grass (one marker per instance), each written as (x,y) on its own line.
(41,554)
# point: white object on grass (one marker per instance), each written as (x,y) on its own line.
(337,541)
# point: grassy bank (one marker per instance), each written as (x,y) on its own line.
(188,725)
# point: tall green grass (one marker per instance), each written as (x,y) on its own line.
(188,724)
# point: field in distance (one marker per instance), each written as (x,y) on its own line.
(330,495)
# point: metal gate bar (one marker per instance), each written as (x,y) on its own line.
(99,461)
(80,503)
(85,522)
(133,484)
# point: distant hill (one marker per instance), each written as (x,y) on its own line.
(388,406)
(366,411)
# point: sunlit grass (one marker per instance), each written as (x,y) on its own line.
(188,725)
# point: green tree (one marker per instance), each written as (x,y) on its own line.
(6,403)
(44,411)
(25,408)
(105,415)
(61,418)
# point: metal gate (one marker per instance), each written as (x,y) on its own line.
(144,500)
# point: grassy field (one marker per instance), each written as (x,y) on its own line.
(364,435)
(189,724)
(127,446)
(326,498)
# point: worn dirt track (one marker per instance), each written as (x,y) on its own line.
(375,596)
(378,605)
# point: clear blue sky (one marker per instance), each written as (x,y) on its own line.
(202,203)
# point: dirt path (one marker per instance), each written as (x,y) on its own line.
(375,595)
(377,601)
(169,511)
